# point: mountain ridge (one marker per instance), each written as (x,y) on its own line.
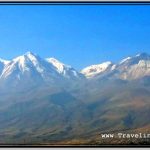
(126,69)
(89,71)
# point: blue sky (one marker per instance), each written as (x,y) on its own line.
(76,35)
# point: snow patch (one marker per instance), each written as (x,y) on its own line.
(93,70)
(5,62)
(124,60)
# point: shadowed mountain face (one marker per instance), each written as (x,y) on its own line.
(44,101)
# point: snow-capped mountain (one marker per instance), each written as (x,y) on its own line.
(134,67)
(129,68)
(28,64)
(65,70)
(94,70)
(28,70)
(31,70)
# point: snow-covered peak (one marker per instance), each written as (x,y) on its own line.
(134,67)
(129,61)
(58,65)
(27,60)
(4,61)
(22,62)
(94,70)
(31,56)
(29,67)
(142,56)
(65,70)
(29,53)
(19,58)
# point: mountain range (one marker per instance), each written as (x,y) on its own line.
(31,65)
(44,101)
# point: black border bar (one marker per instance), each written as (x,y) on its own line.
(74,2)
